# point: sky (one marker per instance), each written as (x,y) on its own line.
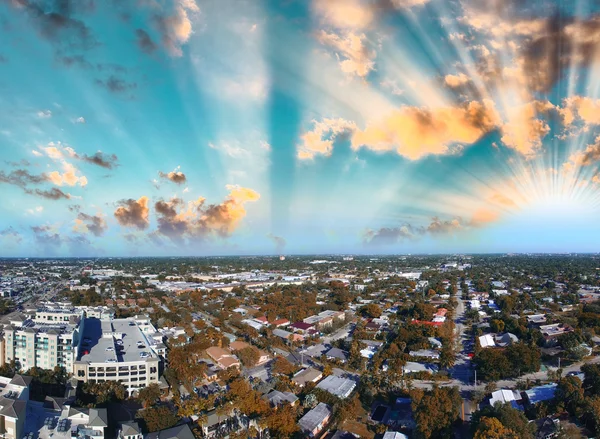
(223,127)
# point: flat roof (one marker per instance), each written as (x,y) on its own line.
(121,328)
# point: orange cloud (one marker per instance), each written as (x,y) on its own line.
(523,131)
(416,132)
(320,140)
(455,81)
(132,213)
(69,177)
(344,14)
(196,220)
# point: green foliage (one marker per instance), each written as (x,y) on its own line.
(371,310)
(100,394)
(515,360)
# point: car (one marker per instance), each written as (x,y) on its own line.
(110,348)
(119,342)
(144,354)
(131,323)
(140,344)
(573,373)
(111,360)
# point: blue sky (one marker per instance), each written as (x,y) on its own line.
(189,127)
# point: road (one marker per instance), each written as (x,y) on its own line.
(461,371)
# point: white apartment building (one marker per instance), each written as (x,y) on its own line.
(47,341)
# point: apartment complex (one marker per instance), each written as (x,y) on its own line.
(47,340)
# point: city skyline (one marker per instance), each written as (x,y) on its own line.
(200,128)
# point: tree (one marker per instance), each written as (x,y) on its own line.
(496,325)
(371,310)
(591,382)
(436,411)
(282,422)
(327,370)
(157,418)
(509,417)
(249,356)
(492,428)
(149,395)
(569,393)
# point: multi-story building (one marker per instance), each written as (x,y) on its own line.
(118,350)
(14,394)
(47,341)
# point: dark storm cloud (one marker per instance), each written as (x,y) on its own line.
(95,224)
(99,159)
(22,178)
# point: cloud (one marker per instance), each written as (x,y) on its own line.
(392,86)
(107,161)
(53,21)
(133,213)
(389,235)
(175,176)
(51,194)
(11,235)
(144,41)
(44,114)
(94,224)
(176,26)
(456,81)
(278,241)
(561,44)
(58,151)
(319,141)
(79,120)
(354,57)
(415,132)
(22,178)
(523,131)
(344,14)
(68,177)
(580,108)
(116,85)
(46,236)
(197,221)
(589,156)
(35,210)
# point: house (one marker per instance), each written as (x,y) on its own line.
(277,398)
(547,428)
(313,422)
(337,354)
(487,341)
(506,396)
(540,393)
(341,434)
(394,435)
(280,323)
(308,375)
(536,319)
(340,387)
(214,424)
(130,430)
(506,339)
(425,353)
(552,332)
(87,422)
(301,327)
(281,333)
(223,357)
(182,431)
(412,367)
(238,345)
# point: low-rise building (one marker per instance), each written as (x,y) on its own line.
(313,422)
(340,387)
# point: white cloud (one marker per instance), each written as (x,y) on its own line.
(44,114)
